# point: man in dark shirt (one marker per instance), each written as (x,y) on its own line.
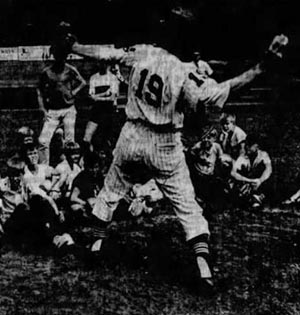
(59,85)
(87,185)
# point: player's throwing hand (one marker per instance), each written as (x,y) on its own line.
(279,42)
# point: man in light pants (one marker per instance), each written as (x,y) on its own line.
(59,85)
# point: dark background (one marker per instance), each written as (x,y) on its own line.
(225,29)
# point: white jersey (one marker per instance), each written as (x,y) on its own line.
(104,87)
(160,85)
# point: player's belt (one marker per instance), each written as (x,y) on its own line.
(164,128)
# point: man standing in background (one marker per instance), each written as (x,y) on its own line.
(104,90)
(59,85)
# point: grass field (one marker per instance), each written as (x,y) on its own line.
(147,269)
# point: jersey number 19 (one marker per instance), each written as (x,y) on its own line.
(155,88)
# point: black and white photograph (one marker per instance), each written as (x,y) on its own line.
(149,157)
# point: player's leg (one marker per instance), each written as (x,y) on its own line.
(175,183)
(118,182)
(69,121)
(51,123)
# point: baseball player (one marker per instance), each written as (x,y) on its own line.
(159,87)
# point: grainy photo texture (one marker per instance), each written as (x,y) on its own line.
(149,157)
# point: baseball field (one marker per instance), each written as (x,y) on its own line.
(146,267)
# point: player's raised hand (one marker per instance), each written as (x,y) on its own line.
(278,44)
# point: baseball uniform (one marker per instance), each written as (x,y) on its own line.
(160,85)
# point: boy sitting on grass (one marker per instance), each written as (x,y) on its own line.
(209,166)
(39,219)
(86,186)
(11,196)
(232,137)
(65,172)
(251,173)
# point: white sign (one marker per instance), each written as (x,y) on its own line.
(8,53)
(41,53)
(33,53)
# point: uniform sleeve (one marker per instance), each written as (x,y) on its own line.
(100,52)
(137,53)
(199,88)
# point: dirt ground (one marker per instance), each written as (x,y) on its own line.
(147,269)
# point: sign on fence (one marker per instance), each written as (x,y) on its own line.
(29,53)
(8,53)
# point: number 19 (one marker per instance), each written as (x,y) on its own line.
(155,87)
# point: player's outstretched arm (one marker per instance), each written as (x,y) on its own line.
(274,52)
(95,52)
(67,42)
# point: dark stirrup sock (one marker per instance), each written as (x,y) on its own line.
(199,245)
(98,232)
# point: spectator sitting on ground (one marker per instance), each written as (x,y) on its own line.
(66,171)
(145,196)
(208,167)
(38,178)
(86,186)
(294,199)
(39,219)
(232,137)
(11,195)
(24,135)
(251,173)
